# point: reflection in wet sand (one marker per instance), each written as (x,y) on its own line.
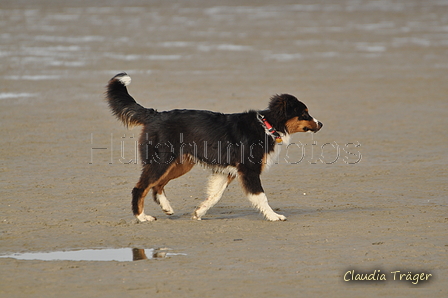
(160,253)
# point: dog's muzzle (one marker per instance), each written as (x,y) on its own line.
(318,125)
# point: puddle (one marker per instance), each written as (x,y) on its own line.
(120,255)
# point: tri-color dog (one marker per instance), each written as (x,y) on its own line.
(232,145)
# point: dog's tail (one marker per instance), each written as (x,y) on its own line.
(123,106)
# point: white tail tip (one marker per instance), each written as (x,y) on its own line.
(125,80)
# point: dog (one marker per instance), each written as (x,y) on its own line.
(239,145)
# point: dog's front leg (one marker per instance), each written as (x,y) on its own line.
(252,185)
(260,201)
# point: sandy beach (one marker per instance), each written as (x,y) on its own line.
(365,196)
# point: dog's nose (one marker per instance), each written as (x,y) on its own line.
(320,124)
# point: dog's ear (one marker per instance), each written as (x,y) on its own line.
(282,105)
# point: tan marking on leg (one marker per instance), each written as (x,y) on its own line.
(141,216)
(174,172)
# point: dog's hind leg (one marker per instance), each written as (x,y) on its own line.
(159,196)
(217,184)
(151,176)
(158,190)
(252,185)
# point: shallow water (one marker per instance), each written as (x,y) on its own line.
(41,44)
(108,254)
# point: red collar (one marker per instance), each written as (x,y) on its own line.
(270,129)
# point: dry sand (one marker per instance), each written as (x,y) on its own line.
(374,72)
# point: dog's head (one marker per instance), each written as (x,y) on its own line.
(292,115)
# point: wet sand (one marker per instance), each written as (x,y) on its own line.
(366,193)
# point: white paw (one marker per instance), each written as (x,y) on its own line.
(195,216)
(168,211)
(143,217)
(276,217)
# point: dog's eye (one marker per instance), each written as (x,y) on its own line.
(304,116)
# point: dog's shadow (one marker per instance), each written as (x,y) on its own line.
(290,213)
